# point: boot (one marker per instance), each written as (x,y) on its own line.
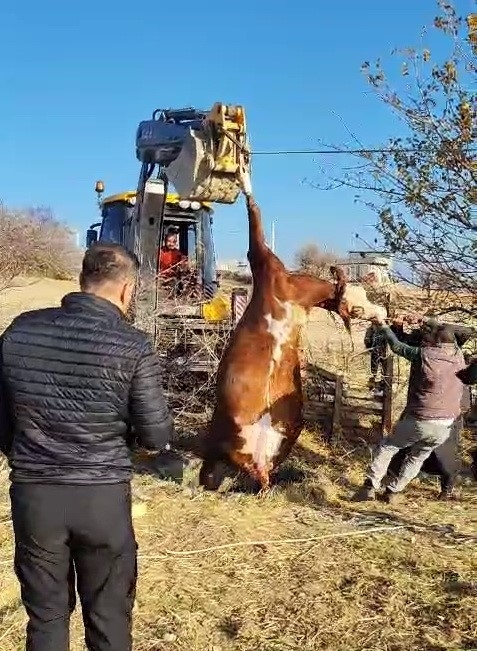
(366,493)
(447,494)
(392,498)
(473,466)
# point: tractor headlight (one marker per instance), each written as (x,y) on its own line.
(195,205)
(132,201)
(185,205)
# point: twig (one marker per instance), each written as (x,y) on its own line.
(283,541)
(10,629)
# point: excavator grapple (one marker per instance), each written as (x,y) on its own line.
(204,154)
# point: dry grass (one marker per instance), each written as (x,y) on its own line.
(412,588)
(31,294)
(409,588)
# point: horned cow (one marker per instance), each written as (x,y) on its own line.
(258,411)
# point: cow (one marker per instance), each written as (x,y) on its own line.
(258,411)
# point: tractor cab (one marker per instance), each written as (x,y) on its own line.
(184,250)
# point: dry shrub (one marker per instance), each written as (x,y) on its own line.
(34,243)
(235,278)
(313,260)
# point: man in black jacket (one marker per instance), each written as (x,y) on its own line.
(376,343)
(468,376)
(74,379)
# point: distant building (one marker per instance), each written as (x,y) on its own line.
(234,266)
(361,264)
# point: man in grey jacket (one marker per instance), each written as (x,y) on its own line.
(445,460)
(433,403)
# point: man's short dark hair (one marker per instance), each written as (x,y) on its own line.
(445,335)
(109,262)
(434,333)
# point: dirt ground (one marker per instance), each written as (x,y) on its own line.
(300,569)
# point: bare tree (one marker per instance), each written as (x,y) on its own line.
(33,243)
(313,260)
(423,186)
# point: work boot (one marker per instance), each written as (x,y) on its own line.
(366,493)
(447,495)
(473,466)
(392,498)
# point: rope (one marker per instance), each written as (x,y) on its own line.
(283,541)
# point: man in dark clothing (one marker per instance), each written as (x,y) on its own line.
(468,376)
(444,461)
(376,343)
(433,403)
(74,380)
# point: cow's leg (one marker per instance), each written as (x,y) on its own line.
(263,477)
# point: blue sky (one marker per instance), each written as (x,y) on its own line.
(77,78)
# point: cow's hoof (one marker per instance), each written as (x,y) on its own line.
(209,477)
(208,482)
(266,491)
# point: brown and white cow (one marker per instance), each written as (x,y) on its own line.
(259,400)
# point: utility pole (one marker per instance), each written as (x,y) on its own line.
(272,239)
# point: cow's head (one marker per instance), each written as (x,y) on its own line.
(351,301)
(338,303)
(307,291)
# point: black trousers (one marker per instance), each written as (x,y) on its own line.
(81,537)
(377,360)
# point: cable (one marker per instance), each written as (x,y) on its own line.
(292,152)
(323,151)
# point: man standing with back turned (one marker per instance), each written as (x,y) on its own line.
(73,380)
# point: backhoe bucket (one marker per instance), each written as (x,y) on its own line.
(206,155)
(196,175)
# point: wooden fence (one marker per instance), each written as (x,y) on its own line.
(336,405)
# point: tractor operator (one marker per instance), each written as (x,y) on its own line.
(172,262)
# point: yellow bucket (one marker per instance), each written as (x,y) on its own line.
(218,309)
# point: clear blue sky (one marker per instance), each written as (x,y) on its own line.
(77,78)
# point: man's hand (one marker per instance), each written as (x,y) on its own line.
(399,320)
(378,321)
(413,318)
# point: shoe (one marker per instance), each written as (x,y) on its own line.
(365,494)
(473,470)
(392,498)
(473,465)
(447,495)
